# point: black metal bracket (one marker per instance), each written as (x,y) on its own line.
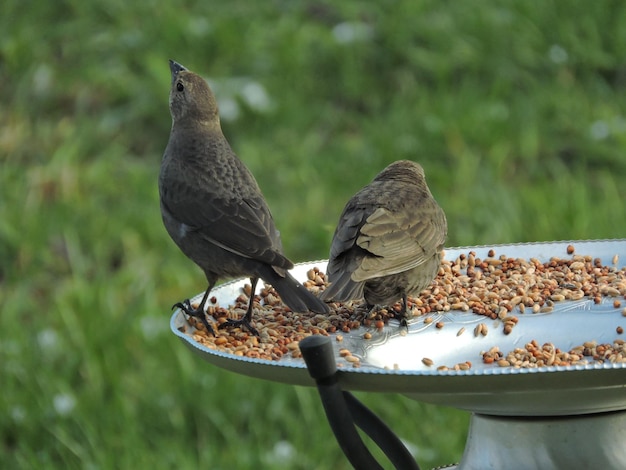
(345,412)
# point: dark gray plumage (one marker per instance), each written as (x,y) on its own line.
(389,240)
(212,206)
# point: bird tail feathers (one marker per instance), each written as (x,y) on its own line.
(342,289)
(297,297)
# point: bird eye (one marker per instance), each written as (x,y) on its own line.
(180,86)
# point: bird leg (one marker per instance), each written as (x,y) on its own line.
(401,315)
(199,312)
(247,318)
(371,310)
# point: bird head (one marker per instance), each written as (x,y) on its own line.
(191,97)
(403,170)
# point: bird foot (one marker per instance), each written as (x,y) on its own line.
(198,313)
(400,316)
(402,319)
(240,323)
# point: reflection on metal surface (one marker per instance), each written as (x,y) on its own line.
(591,441)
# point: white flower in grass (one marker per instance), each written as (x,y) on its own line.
(64,403)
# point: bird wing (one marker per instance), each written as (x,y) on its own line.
(243,226)
(347,232)
(400,241)
(345,256)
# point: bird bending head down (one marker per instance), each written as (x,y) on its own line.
(388,241)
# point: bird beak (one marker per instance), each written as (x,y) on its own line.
(175,67)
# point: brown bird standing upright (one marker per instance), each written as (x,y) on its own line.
(389,240)
(212,206)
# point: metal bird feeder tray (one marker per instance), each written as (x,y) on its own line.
(551,417)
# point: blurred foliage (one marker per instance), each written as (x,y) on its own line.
(515,110)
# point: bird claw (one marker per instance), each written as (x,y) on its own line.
(239,323)
(198,313)
(401,317)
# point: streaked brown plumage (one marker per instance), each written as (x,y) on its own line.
(212,206)
(388,241)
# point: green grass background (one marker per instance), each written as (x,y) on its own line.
(516,110)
